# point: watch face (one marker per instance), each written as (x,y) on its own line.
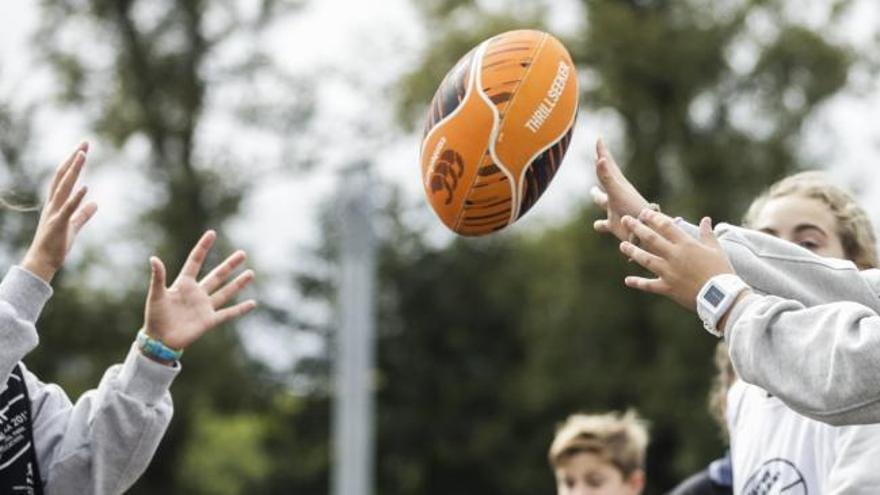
(713,296)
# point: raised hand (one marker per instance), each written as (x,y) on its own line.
(62,217)
(681,263)
(179,315)
(615,194)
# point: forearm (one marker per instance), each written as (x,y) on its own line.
(22,297)
(822,361)
(774,266)
(106,441)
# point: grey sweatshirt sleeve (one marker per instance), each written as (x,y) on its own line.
(815,342)
(103,443)
(22,297)
(822,361)
(773,266)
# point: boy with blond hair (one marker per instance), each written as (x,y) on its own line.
(601,454)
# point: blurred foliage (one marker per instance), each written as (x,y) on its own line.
(484,344)
(225,471)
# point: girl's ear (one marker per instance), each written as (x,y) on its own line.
(636,482)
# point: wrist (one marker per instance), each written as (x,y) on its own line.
(39,267)
(156,359)
(722,323)
(156,350)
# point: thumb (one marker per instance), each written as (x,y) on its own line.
(157,279)
(707,235)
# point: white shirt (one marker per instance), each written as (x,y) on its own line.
(775,450)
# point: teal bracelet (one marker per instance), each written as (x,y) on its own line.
(155,348)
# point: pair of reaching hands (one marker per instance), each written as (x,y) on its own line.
(681,263)
(180,314)
(177,315)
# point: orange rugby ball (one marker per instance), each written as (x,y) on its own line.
(497,130)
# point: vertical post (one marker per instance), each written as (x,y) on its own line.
(353,408)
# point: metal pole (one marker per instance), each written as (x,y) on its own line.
(353,411)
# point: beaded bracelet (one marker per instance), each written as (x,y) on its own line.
(156,349)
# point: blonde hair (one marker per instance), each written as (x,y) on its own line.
(724,377)
(617,439)
(853,225)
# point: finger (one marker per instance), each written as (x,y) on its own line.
(73,203)
(609,164)
(69,180)
(663,225)
(231,312)
(649,239)
(198,254)
(157,279)
(224,295)
(63,166)
(82,216)
(219,274)
(646,260)
(652,285)
(600,199)
(603,173)
(606,167)
(707,235)
(602,226)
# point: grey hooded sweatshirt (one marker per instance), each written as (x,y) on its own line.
(810,333)
(104,442)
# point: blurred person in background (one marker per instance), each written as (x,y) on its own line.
(601,454)
(104,442)
(717,478)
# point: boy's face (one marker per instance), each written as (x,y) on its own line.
(587,474)
(804,221)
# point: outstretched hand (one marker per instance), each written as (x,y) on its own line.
(681,263)
(615,194)
(179,315)
(62,217)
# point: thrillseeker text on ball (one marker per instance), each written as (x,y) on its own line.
(545,108)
